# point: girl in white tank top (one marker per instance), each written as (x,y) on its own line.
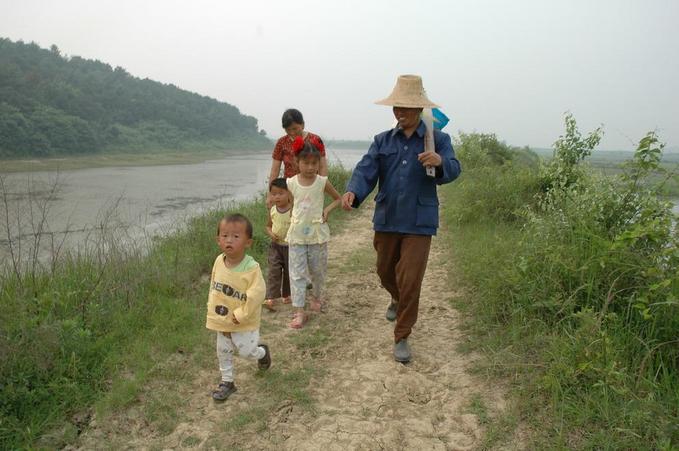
(308,234)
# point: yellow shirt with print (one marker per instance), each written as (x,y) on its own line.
(280,223)
(235,292)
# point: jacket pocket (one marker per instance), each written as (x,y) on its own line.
(380,216)
(427,211)
(387,151)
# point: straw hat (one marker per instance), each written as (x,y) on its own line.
(408,93)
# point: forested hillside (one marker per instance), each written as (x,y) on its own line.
(54,105)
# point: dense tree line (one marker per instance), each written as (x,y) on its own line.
(51,105)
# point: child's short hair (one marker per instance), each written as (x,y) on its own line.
(278,183)
(237,217)
(292,116)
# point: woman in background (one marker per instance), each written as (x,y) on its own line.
(293,124)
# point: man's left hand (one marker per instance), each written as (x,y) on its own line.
(429,159)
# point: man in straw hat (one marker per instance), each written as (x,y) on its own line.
(406,204)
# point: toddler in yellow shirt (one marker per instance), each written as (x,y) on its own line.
(278,279)
(234,304)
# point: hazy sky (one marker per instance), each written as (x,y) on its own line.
(508,67)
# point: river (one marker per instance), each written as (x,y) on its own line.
(137,201)
(142,201)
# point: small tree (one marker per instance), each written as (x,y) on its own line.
(570,150)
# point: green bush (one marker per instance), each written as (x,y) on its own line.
(577,276)
(494,193)
(497,182)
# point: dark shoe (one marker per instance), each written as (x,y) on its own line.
(265,362)
(224,390)
(391,311)
(402,351)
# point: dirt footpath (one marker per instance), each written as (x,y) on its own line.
(356,397)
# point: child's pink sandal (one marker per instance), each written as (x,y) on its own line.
(297,321)
(287,300)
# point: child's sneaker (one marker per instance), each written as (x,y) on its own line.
(297,320)
(270,304)
(265,362)
(223,391)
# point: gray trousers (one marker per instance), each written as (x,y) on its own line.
(311,259)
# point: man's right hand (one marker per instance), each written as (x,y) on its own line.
(348,200)
(269,201)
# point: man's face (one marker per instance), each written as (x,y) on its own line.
(407,118)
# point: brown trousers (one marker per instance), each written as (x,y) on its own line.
(278,279)
(401,262)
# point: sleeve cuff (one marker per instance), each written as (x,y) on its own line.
(238,314)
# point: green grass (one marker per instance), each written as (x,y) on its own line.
(314,340)
(86,336)
(478,407)
(191,441)
(252,415)
(359,259)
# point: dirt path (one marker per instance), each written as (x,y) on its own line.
(368,401)
(348,391)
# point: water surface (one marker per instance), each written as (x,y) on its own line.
(139,200)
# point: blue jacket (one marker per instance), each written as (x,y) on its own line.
(406,201)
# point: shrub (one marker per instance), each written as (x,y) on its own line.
(577,275)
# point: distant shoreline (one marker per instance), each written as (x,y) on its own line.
(347,144)
(147,158)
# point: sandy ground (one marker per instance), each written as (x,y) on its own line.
(362,399)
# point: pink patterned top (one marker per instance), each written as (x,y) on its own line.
(283,152)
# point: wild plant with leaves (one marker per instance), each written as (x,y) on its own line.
(600,257)
(574,288)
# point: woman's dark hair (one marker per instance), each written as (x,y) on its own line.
(309,150)
(278,183)
(292,116)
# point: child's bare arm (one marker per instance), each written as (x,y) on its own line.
(332,192)
(323,169)
(269,227)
